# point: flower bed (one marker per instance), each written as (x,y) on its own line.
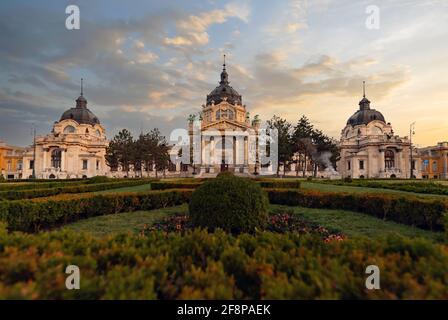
(279,222)
(413,211)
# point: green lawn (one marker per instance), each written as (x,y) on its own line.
(352,224)
(123,222)
(143,187)
(355,224)
(352,189)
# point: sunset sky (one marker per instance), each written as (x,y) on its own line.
(150,64)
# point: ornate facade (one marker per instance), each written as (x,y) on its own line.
(75,148)
(227,136)
(370,148)
(434,161)
(11,162)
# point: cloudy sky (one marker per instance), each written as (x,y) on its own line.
(149,64)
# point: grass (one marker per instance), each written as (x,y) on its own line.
(140,188)
(352,224)
(326,187)
(355,224)
(123,222)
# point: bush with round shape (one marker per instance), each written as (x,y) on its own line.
(231,203)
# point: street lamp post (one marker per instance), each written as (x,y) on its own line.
(411,133)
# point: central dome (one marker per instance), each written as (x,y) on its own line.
(80,113)
(224,92)
(365,115)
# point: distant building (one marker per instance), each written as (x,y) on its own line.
(434,161)
(11,163)
(75,148)
(370,149)
(228,136)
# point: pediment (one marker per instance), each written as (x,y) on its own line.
(226,125)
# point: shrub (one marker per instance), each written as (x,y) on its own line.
(161,185)
(421,213)
(408,186)
(201,265)
(38,214)
(98,179)
(231,203)
(224,174)
(76,188)
(280,184)
(348,180)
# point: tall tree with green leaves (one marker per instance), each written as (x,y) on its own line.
(285,147)
(123,144)
(302,143)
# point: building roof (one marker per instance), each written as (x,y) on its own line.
(224,92)
(80,113)
(365,115)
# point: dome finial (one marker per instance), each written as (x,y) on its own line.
(364,89)
(81,86)
(224,75)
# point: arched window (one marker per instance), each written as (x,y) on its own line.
(434,166)
(218,115)
(425,165)
(69,129)
(231,115)
(98,133)
(389,159)
(56,158)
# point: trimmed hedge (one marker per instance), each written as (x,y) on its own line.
(201,265)
(163,185)
(421,213)
(276,184)
(55,190)
(41,214)
(230,203)
(39,185)
(280,184)
(409,186)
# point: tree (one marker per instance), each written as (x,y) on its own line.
(112,156)
(302,143)
(285,147)
(120,150)
(312,146)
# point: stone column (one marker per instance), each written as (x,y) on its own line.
(63,154)
(445,165)
(202,150)
(234,151)
(246,151)
(382,164)
(44,159)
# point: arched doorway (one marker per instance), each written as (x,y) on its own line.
(389,159)
(56,158)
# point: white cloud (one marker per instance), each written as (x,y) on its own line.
(193,30)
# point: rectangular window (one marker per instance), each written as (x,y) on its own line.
(413,164)
(349,165)
(31,164)
(84,164)
(97,165)
(361,164)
